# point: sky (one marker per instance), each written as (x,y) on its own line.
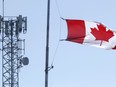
(75,65)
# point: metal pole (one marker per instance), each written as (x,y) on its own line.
(47,45)
(2,30)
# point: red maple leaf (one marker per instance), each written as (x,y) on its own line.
(101,33)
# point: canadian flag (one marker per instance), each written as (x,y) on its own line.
(91,33)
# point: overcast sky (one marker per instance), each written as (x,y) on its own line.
(75,65)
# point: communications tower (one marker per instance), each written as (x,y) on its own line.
(13,48)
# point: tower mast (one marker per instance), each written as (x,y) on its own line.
(12,48)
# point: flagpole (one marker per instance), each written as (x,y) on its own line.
(47,45)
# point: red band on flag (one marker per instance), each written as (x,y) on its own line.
(76,30)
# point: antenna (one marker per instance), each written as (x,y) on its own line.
(20,20)
(21,25)
(7,28)
(25,61)
(3,8)
(25,26)
(0,23)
